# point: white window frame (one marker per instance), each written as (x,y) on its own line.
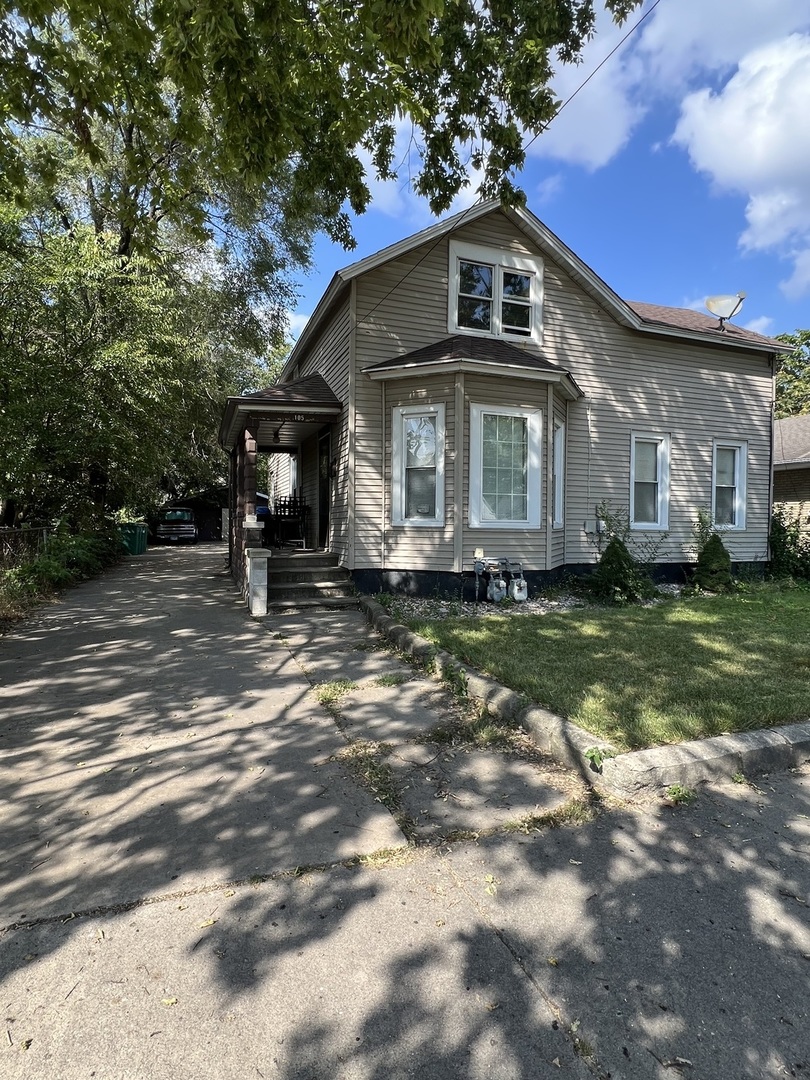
(663,457)
(398,460)
(741,482)
(534,432)
(499,261)
(558,475)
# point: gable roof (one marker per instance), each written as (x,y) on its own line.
(688,319)
(311,390)
(464,352)
(282,414)
(677,322)
(791,442)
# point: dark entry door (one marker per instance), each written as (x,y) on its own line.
(324,453)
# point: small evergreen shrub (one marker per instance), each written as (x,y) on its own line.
(618,577)
(713,569)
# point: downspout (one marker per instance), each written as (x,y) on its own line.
(772,363)
(383,429)
(458,476)
(549,471)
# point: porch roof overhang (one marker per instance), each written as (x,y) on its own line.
(280,417)
(477,355)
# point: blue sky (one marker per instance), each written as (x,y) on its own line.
(680,171)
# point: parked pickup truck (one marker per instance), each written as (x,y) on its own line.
(176,525)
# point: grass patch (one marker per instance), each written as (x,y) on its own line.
(365,759)
(647,676)
(393,679)
(330,693)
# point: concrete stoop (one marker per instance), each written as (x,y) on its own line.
(636,773)
(302,580)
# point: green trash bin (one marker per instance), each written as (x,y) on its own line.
(134,538)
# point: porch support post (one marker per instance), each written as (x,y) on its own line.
(249,474)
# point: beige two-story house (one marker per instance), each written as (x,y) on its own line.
(476,388)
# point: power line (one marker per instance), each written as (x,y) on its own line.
(536,136)
(585,82)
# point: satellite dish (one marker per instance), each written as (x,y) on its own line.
(725,307)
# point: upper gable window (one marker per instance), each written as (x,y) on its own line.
(494,292)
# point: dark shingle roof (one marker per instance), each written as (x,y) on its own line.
(311,390)
(687,319)
(791,440)
(462,347)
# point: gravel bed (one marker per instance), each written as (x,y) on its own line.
(432,608)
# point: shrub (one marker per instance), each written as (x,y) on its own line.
(790,550)
(713,569)
(67,559)
(618,577)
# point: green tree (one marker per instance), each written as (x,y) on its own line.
(793,375)
(112,373)
(290,91)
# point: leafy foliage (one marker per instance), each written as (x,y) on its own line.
(113,374)
(713,567)
(790,547)
(68,558)
(793,375)
(297,88)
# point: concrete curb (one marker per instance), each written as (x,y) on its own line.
(635,773)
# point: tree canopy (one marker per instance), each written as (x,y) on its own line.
(164,166)
(254,90)
(793,375)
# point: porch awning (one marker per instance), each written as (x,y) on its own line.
(480,355)
(280,417)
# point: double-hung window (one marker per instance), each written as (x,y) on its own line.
(649,481)
(494,292)
(729,469)
(505,473)
(417,465)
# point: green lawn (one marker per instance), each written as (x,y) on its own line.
(641,677)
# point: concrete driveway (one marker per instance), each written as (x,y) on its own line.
(168,778)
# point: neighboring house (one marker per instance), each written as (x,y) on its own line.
(478,388)
(791,467)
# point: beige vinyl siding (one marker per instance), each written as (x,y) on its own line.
(791,490)
(558,534)
(526,545)
(330,356)
(281,478)
(402,307)
(309,487)
(636,382)
(393,320)
(631,381)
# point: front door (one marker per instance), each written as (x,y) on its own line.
(324,493)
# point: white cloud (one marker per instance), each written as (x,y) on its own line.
(683,40)
(597,123)
(798,284)
(760,325)
(697,303)
(752,137)
(297,323)
(549,189)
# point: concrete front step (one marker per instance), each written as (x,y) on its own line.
(295,575)
(333,603)
(312,590)
(301,560)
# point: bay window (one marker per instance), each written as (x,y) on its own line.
(417,465)
(505,472)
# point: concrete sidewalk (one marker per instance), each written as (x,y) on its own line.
(168,772)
